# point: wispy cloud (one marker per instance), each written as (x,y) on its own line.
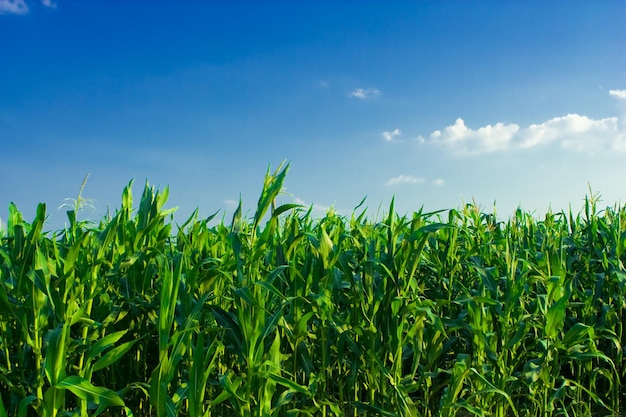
(13,7)
(20,6)
(404,179)
(317,208)
(438,182)
(573,131)
(389,136)
(231,204)
(363,94)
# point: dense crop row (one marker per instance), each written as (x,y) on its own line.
(437,314)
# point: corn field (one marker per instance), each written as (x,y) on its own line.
(452,313)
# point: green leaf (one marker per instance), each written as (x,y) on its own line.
(495,390)
(270,288)
(245,294)
(271,187)
(577,334)
(223,396)
(55,360)
(104,343)
(5,305)
(431,228)
(84,390)
(372,409)
(230,324)
(3,411)
(520,333)
(283,208)
(270,325)
(22,409)
(158,391)
(556,316)
(288,383)
(113,355)
(532,371)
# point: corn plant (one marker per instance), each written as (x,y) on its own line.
(449,313)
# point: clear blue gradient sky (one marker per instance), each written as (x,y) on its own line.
(521,103)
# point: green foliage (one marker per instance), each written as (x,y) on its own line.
(433,314)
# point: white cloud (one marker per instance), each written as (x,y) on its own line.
(13,7)
(573,131)
(618,93)
(362,94)
(389,136)
(463,140)
(438,182)
(404,179)
(48,3)
(323,84)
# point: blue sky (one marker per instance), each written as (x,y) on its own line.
(438,103)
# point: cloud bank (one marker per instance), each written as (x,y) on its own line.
(573,132)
